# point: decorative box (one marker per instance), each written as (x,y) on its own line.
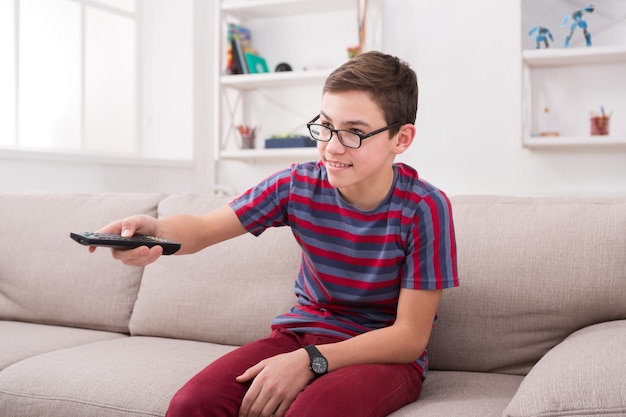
(290,142)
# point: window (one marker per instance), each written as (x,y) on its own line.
(7,73)
(74,86)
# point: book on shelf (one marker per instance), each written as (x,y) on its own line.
(239,41)
(241,56)
(239,65)
(256,63)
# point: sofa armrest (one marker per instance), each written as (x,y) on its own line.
(582,376)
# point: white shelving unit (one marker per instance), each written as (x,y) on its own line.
(273,79)
(274,8)
(572,82)
(233,92)
(266,154)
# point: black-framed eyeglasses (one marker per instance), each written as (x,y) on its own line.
(348,138)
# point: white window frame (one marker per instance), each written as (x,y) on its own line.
(15,149)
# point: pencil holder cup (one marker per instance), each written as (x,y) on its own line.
(247,140)
(600,125)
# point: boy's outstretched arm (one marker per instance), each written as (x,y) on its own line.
(194,233)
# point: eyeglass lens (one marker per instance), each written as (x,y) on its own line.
(347,138)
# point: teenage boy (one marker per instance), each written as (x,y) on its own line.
(378,247)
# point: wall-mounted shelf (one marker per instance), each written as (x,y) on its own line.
(273,79)
(574,56)
(572,82)
(574,141)
(270,154)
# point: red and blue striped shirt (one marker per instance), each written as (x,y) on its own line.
(355,262)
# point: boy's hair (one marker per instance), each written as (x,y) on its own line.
(390,82)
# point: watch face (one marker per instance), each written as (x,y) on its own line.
(319,365)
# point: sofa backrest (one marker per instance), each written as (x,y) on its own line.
(45,277)
(227,293)
(531,271)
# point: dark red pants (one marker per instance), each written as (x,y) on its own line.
(357,391)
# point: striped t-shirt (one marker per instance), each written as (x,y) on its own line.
(354,262)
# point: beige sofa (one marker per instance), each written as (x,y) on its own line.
(537,327)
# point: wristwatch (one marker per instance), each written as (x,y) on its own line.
(319,364)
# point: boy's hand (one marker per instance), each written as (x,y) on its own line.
(276,382)
(128,227)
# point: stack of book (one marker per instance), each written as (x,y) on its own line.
(242,58)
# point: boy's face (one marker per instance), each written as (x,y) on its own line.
(363,176)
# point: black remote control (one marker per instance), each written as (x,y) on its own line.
(112,240)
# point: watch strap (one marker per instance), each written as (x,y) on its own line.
(316,355)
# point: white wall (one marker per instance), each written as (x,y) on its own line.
(55,173)
(167,79)
(467,56)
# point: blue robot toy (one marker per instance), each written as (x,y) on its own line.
(543,34)
(577,21)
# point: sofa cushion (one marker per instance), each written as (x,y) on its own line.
(227,293)
(583,376)
(127,377)
(532,271)
(467,394)
(45,277)
(24,340)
